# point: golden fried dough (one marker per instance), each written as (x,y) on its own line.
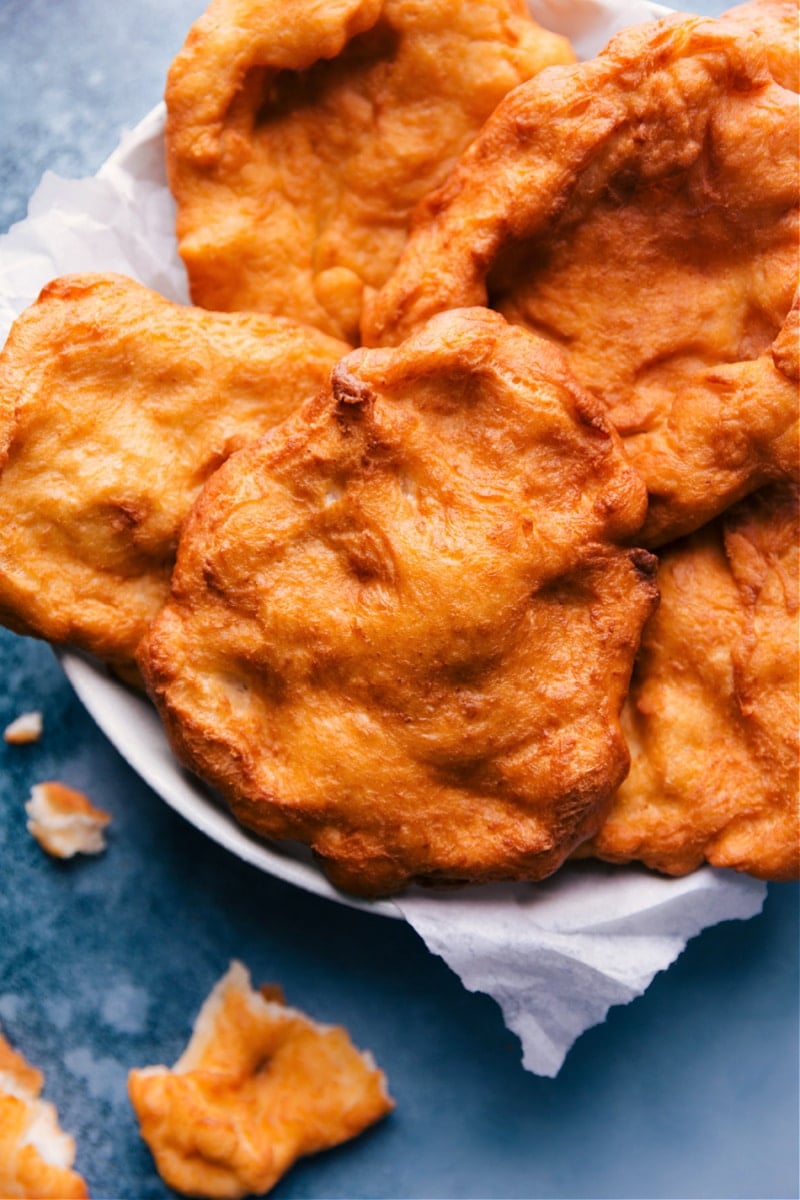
(641,210)
(713,713)
(776,24)
(115,406)
(300,136)
(258,1086)
(401,627)
(36,1156)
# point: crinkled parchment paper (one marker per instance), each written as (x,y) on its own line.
(555,955)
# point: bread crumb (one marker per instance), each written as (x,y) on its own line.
(258,1086)
(25,728)
(36,1156)
(64,821)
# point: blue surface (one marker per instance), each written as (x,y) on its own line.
(689,1092)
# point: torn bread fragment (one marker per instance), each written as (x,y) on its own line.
(64,821)
(258,1086)
(36,1156)
(25,728)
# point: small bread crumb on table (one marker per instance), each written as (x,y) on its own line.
(25,728)
(64,821)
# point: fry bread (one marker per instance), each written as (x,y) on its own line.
(713,713)
(36,1156)
(300,136)
(401,627)
(641,210)
(64,821)
(115,407)
(258,1086)
(775,23)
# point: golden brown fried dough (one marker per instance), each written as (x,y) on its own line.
(713,714)
(401,627)
(115,407)
(301,135)
(641,210)
(776,24)
(258,1086)
(36,1156)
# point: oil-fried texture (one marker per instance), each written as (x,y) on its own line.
(713,713)
(641,210)
(258,1086)
(36,1156)
(776,24)
(300,136)
(401,629)
(115,407)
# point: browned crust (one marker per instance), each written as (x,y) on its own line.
(402,626)
(640,209)
(713,710)
(115,406)
(300,137)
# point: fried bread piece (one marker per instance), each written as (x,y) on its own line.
(115,406)
(640,209)
(258,1086)
(64,821)
(36,1156)
(401,628)
(776,24)
(301,135)
(713,714)
(24,729)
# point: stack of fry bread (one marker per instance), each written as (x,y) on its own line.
(453,527)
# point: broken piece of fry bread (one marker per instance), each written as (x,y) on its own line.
(258,1086)
(64,821)
(36,1156)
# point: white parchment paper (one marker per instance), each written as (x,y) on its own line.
(556,955)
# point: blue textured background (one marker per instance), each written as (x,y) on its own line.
(689,1092)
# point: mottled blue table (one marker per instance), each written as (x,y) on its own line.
(691,1091)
